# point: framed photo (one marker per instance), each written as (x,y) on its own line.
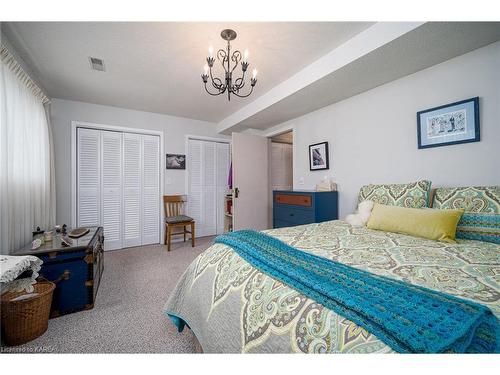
(318,156)
(449,124)
(176,161)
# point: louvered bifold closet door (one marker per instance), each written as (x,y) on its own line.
(281,166)
(195,186)
(288,164)
(132,182)
(222,163)
(88,190)
(150,189)
(209,181)
(111,191)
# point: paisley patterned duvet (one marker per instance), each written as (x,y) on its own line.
(232,307)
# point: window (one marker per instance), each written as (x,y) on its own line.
(27,195)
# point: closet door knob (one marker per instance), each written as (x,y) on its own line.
(236,192)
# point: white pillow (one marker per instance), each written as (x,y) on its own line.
(362,214)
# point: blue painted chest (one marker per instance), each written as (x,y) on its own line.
(296,207)
(76,270)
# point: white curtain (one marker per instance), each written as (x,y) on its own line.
(27,190)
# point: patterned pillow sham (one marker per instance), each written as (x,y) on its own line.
(480,227)
(481,220)
(411,195)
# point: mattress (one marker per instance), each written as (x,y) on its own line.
(232,307)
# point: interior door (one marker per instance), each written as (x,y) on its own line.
(223,159)
(281,166)
(208,167)
(111,189)
(250,181)
(195,184)
(132,190)
(209,189)
(150,204)
(88,178)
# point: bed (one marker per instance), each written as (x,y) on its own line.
(232,307)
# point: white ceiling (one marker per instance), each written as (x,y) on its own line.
(156,67)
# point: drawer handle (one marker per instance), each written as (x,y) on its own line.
(291,214)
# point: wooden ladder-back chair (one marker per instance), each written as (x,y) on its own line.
(174,206)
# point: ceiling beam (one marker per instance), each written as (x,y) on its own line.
(365,42)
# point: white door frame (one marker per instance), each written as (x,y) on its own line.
(123,129)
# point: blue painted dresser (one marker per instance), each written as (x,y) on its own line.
(297,207)
(76,270)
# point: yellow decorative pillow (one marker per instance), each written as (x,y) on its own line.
(439,225)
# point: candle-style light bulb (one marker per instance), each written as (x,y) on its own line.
(205,68)
(254,73)
(245,55)
(210,51)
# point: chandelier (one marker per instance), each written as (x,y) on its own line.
(229,62)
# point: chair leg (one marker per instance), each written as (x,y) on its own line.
(169,237)
(165,235)
(184,233)
(192,234)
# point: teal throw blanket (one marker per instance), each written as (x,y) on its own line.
(408,318)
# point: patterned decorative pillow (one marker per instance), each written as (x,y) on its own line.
(481,220)
(411,195)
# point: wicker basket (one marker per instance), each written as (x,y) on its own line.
(26,319)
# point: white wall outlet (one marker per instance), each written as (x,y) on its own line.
(301,180)
(169,181)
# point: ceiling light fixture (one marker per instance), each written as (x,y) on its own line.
(226,59)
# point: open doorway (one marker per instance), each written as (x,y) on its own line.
(280,166)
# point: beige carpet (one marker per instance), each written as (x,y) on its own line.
(127,317)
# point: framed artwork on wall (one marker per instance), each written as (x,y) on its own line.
(176,161)
(318,156)
(449,124)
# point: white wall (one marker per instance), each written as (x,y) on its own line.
(174,129)
(373,136)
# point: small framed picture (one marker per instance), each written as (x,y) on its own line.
(318,156)
(449,124)
(176,161)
